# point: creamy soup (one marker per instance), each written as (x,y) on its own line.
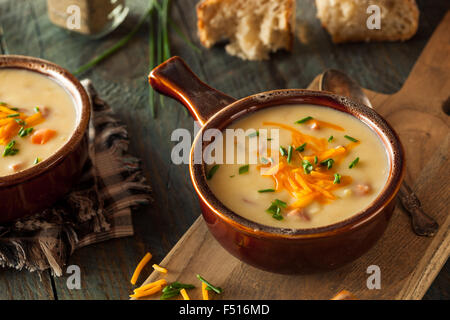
(37,117)
(328,167)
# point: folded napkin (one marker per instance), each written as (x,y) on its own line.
(97,209)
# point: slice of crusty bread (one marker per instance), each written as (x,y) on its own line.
(346,20)
(254,28)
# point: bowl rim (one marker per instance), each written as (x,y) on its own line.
(247,105)
(79,95)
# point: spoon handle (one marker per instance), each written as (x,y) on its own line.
(340,83)
(423,224)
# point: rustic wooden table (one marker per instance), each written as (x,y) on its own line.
(122,80)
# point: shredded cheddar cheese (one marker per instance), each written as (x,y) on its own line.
(148,292)
(205,292)
(139,267)
(160,269)
(162,283)
(309,177)
(184,294)
(12,121)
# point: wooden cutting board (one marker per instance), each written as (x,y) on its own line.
(408,263)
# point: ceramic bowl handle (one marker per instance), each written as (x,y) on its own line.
(175,79)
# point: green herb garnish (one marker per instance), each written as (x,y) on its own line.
(316,160)
(254,134)
(24,132)
(350,138)
(217,290)
(173,289)
(328,163)
(36,109)
(304,120)
(20,122)
(266,190)
(301,148)
(307,166)
(244,169)
(13,115)
(212,171)
(283,151)
(10,149)
(330,138)
(289,156)
(269,139)
(275,209)
(337,178)
(37,160)
(15,109)
(353,163)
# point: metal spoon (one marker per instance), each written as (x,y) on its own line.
(339,83)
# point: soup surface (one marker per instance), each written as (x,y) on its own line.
(326,167)
(37,117)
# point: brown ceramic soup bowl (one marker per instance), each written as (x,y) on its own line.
(36,188)
(269,248)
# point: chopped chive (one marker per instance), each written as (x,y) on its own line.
(20,122)
(277,216)
(350,138)
(173,290)
(289,157)
(178,285)
(280,203)
(15,109)
(283,151)
(2,103)
(275,209)
(254,134)
(328,163)
(353,163)
(214,288)
(36,109)
(316,160)
(212,171)
(37,160)
(307,166)
(244,169)
(304,120)
(269,139)
(330,138)
(266,190)
(301,148)
(337,178)
(13,115)
(10,150)
(24,132)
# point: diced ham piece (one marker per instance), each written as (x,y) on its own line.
(362,189)
(299,213)
(314,126)
(16,166)
(45,111)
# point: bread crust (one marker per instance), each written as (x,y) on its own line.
(379,36)
(202,22)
